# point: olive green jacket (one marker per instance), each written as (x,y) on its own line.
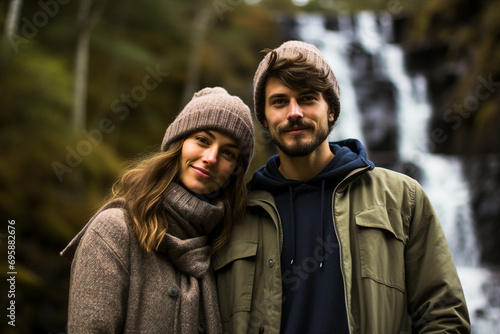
(398,273)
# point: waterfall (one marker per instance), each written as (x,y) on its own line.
(441,176)
(333,46)
(360,51)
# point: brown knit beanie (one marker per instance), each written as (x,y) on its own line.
(215,109)
(292,49)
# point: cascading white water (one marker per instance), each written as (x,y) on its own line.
(441,175)
(334,46)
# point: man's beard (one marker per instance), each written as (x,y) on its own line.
(299,148)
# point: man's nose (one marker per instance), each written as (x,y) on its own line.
(295,110)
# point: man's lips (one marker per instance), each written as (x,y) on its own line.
(296,130)
(203,172)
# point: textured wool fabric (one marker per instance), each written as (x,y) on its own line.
(116,286)
(214,108)
(292,49)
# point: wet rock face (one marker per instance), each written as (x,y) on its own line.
(483,175)
(376,100)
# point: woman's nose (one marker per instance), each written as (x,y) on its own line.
(210,156)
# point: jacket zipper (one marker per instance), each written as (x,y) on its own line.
(353,174)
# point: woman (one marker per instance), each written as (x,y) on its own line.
(142,263)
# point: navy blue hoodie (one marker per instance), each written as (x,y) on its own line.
(313,290)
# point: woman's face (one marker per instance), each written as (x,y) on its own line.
(208,159)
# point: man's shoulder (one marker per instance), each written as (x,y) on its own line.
(257,196)
(389,176)
(381,180)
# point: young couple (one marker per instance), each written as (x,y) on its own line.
(323,243)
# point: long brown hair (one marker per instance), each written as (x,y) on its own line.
(143,184)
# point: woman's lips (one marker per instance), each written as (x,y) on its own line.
(203,172)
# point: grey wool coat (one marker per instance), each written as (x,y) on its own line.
(117,287)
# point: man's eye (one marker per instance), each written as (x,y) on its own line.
(279,102)
(308,98)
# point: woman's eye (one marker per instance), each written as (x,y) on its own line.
(202,139)
(230,154)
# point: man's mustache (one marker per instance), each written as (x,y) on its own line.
(294,124)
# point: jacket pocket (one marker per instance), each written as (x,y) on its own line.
(382,245)
(235,271)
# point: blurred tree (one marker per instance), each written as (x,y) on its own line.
(204,15)
(12,20)
(87,18)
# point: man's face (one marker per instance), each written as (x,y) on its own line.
(297,121)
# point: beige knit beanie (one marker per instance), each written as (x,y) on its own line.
(288,50)
(214,108)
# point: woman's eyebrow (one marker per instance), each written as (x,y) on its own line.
(209,133)
(232,145)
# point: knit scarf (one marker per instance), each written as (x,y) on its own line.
(190,219)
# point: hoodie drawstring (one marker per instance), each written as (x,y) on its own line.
(322,225)
(322,260)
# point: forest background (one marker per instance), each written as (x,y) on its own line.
(86,85)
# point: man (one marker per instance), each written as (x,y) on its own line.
(329,243)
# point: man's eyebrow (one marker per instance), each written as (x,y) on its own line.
(277,95)
(309,91)
(304,92)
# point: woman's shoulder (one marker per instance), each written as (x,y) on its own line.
(111,224)
(107,229)
(108,233)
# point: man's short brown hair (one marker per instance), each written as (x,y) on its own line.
(299,66)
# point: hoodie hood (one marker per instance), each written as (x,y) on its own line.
(349,155)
